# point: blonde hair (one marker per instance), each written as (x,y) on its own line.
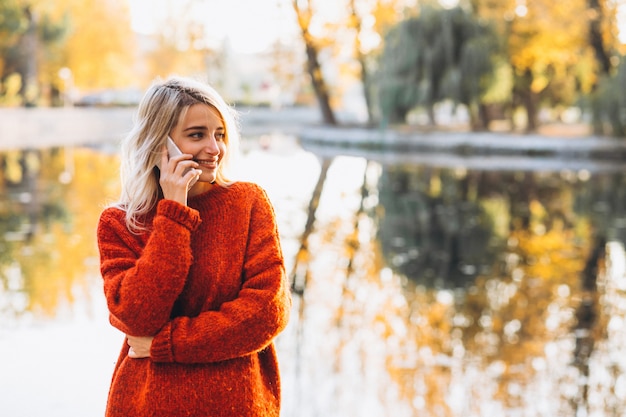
(161,108)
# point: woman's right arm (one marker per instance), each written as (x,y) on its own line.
(141,284)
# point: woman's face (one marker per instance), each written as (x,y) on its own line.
(201,133)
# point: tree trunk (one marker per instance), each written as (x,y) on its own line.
(527,98)
(595,36)
(484,116)
(479,115)
(365,77)
(432,117)
(313,66)
(602,57)
(529,101)
(30,90)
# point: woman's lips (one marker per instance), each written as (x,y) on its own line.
(210,164)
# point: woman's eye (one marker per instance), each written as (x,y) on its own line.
(220,136)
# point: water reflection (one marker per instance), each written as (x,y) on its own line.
(511,251)
(500,276)
(49,203)
(419,290)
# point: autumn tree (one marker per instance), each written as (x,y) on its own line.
(370,20)
(100,47)
(546,43)
(92,39)
(608,104)
(607,100)
(180,46)
(348,45)
(286,69)
(602,32)
(356,23)
(304,14)
(555,50)
(28,36)
(437,55)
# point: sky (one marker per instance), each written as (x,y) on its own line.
(249,25)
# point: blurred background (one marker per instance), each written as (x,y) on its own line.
(448,178)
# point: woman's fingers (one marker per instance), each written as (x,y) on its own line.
(179,175)
(139,346)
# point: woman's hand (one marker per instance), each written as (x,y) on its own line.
(139,346)
(174,184)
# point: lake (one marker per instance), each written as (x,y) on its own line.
(420,287)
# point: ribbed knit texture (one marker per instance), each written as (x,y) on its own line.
(208,282)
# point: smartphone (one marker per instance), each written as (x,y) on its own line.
(172,150)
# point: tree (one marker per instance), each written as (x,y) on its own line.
(286,69)
(304,14)
(181,44)
(344,44)
(555,50)
(27,34)
(356,22)
(91,38)
(437,55)
(370,20)
(100,46)
(597,39)
(546,43)
(606,100)
(609,104)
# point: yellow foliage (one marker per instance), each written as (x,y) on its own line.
(550,40)
(10,91)
(386,14)
(101,45)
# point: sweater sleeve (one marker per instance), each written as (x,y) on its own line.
(251,321)
(141,283)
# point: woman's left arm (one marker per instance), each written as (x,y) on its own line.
(250,322)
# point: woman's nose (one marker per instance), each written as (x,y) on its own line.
(211,146)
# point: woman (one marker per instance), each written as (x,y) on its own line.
(192,266)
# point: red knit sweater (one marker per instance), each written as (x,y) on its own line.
(208,282)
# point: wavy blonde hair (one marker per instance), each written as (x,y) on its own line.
(161,108)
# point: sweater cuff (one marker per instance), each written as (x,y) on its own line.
(183,215)
(161,348)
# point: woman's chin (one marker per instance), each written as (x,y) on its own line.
(208,177)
